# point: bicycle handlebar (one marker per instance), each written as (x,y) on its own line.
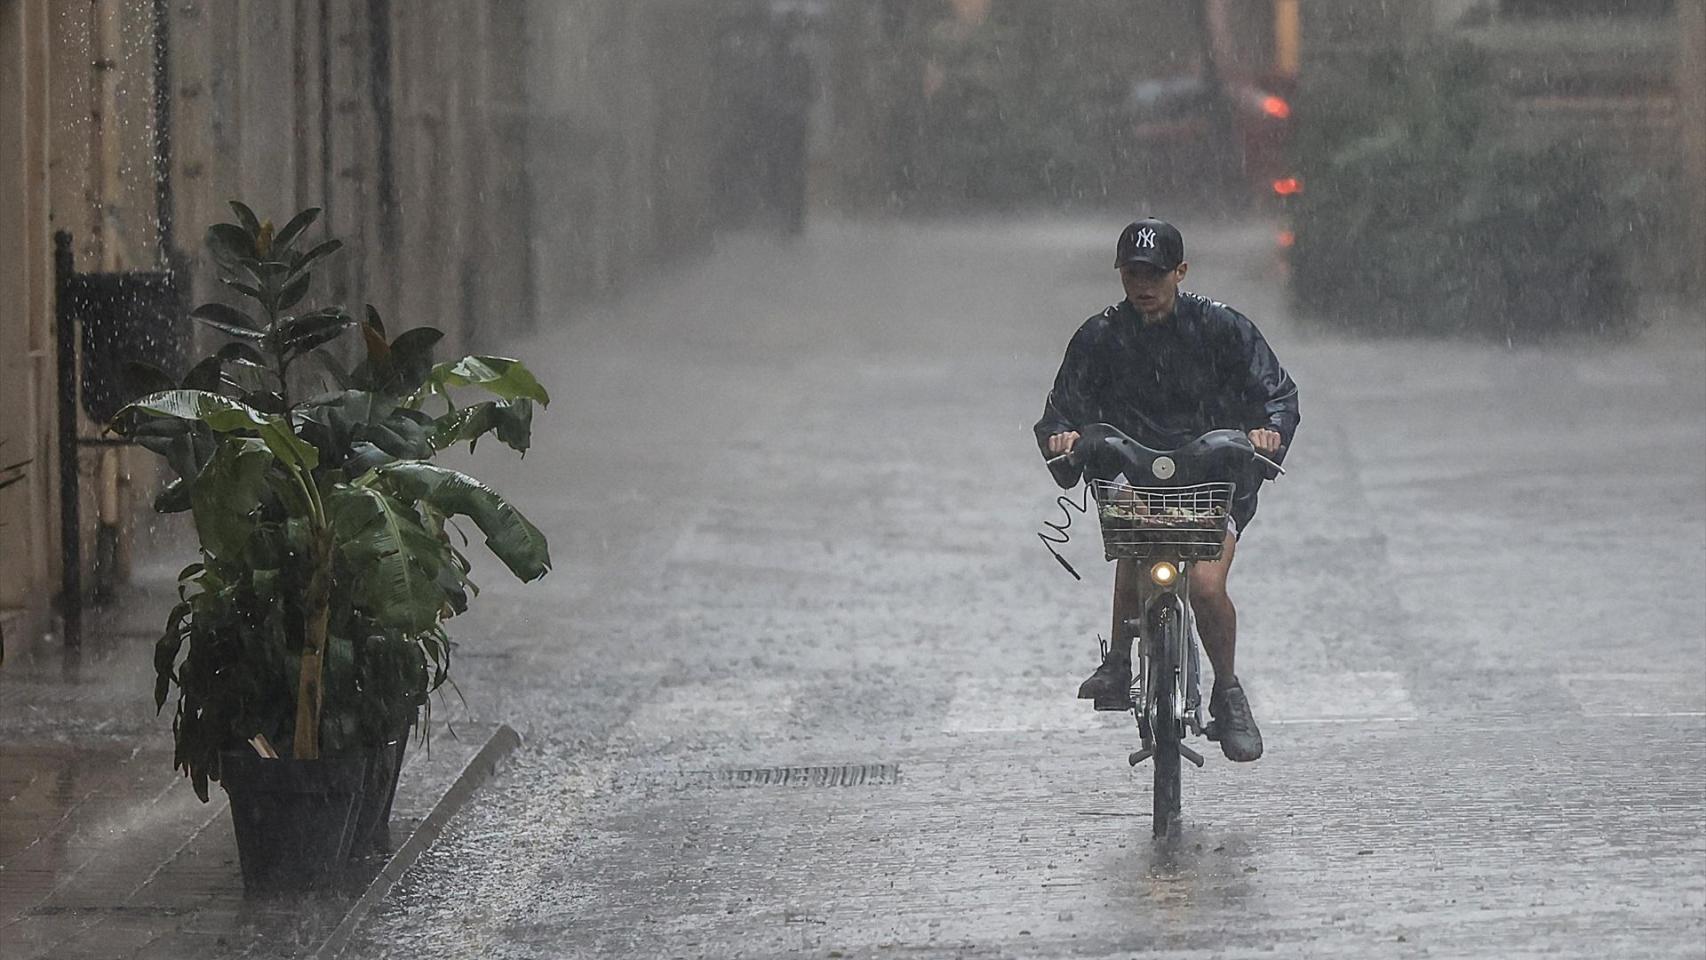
(1100,443)
(1051,461)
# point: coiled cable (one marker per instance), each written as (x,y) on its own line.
(1061,537)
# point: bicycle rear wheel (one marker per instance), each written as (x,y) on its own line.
(1168,645)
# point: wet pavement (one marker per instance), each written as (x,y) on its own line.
(105,851)
(801,683)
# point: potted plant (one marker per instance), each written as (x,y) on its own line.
(310,633)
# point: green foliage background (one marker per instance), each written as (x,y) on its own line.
(1420,215)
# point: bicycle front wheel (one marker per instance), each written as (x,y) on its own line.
(1166,727)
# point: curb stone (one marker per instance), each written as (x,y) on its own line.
(480,769)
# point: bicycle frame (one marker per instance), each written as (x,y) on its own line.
(1148,656)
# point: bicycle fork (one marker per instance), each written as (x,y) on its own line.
(1165,651)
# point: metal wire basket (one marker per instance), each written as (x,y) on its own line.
(1187,522)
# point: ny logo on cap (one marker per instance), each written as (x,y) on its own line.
(1145,237)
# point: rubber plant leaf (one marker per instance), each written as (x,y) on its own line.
(384,539)
(509,379)
(229,416)
(511,419)
(288,233)
(509,535)
(227,494)
(227,319)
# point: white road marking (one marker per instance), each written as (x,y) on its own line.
(1015,704)
(765,707)
(1621,370)
(1304,721)
(1341,696)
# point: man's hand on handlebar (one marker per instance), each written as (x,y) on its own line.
(1266,441)
(1062,443)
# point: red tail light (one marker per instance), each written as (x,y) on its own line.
(1276,107)
(1286,239)
(1288,186)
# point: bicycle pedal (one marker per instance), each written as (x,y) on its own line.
(1109,704)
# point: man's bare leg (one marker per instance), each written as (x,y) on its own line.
(1217,623)
(1217,618)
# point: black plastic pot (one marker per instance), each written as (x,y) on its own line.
(294,819)
(372,833)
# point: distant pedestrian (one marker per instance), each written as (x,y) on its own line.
(787,109)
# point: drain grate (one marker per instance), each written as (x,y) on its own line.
(828,775)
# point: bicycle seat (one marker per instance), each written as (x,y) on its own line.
(1105,452)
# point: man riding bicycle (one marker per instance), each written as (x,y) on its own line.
(1166,366)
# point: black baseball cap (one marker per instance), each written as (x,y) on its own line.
(1151,241)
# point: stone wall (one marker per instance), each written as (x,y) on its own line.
(487,164)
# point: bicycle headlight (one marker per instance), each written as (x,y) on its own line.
(1163,574)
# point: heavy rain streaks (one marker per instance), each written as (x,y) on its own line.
(796,278)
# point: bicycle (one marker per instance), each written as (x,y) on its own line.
(1175,512)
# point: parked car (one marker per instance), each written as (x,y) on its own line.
(1183,125)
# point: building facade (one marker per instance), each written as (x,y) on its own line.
(462,151)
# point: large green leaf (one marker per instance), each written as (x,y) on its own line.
(509,535)
(186,445)
(240,350)
(304,333)
(411,359)
(512,419)
(400,438)
(335,422)
(226,495)
(246,217)
(287,234)
(228,320)
(324,248)
(384,540)
(166,652)
(509,379)
(210,374)
(241,287)
(230,244)
(364,456)
(174,497)
(228,416)
(293,292)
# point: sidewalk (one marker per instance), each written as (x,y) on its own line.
(105,852)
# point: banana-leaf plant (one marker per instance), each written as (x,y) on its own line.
(315,617)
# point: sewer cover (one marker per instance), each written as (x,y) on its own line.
(829,775)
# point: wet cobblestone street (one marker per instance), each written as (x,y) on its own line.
(1471,624)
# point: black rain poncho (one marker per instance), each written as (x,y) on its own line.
(1205,368)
